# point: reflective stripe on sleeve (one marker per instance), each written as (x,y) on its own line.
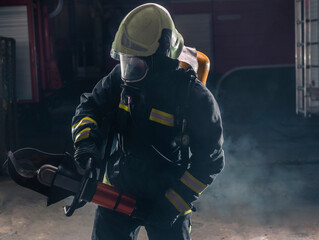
(124,107)
(83,121)
(85,133)
(193,183)
(178,202)
(162,117)
(106,181)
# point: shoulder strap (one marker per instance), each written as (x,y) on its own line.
(107,152)
(183,114)
(109,144)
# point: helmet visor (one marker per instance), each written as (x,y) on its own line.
(133,69)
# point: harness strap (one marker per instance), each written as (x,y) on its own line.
(118,200)
(184,137)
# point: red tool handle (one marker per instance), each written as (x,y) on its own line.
(109,197)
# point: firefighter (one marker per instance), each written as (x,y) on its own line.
(167,145)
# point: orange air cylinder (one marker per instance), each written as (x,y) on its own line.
(203,67)
(110,197)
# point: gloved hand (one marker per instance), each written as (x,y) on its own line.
(163,214)
(87,149)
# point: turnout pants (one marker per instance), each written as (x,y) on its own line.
(109,225)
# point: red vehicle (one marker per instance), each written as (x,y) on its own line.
(27,22)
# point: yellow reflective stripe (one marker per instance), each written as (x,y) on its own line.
(185,213)
(105,181)
(124,107)
(168,115)
(85,133)
(162,117)
(83,121)
(177,201)
(193,183)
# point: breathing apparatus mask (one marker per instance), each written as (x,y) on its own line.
(134,71)
(133,68)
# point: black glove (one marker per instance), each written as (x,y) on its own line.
(162,215)
(85,150)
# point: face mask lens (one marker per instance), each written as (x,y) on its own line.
(133,69)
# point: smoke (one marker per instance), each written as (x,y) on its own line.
(272,164)
(257,184)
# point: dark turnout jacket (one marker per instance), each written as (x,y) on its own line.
(147,120)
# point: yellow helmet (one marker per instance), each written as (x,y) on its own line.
(141,30)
